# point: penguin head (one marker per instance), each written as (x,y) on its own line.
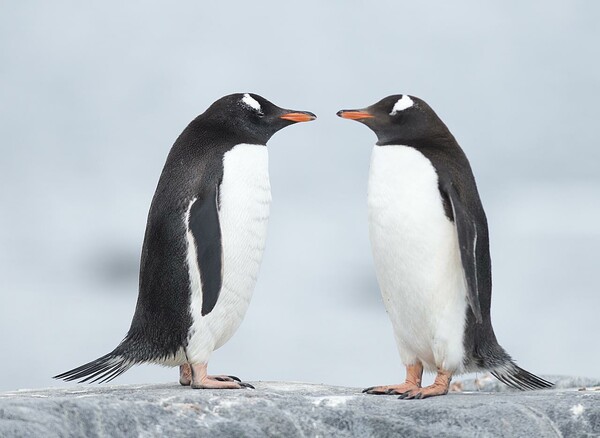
(253,117)
(399,119)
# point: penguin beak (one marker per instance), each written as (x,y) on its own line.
(355,114)
(298,116)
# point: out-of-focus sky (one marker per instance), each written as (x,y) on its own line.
(93,96)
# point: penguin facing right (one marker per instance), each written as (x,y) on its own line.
(430,244)
(203,244)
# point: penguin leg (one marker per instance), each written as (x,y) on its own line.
(439,387)
(201,379)
(414,373)
(185,374)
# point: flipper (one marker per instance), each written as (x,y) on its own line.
(206,229)
(469,239)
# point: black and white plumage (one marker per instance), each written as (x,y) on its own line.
(204,240)
(430,243)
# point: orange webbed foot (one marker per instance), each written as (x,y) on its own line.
(439,387)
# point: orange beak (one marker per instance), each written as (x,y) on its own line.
(355,114)
(299,116)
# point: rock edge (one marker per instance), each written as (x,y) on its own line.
(288,409)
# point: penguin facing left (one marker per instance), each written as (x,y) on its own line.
(203,244)
(430,242)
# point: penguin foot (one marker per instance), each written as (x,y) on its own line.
(217,384)
(199,379)
(392,389)
(439,387)
(428,391)
(231,379)
(185,376)
(414,373)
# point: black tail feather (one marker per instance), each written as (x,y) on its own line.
(518,378)
(101,370)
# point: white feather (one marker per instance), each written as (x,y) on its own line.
(251,102)
(402,103)
(417,259)
(245,197)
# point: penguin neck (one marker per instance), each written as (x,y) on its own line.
(219,128)
(418,141)
(423,135)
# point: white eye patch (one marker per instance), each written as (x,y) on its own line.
(251,102)
(403,103)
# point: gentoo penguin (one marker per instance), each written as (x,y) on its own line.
(203,243)
(429,238)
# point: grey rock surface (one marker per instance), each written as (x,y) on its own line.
(281,409)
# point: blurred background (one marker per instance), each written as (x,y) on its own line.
(94,95)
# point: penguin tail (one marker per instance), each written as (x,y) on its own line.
(518,378)
(101,370)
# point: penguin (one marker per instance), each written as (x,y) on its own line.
(203,244)
(430,244)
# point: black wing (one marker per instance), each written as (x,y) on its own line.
(206,230)
(470,239)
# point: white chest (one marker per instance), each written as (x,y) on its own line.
(416,255)
(244,197)
(405,206)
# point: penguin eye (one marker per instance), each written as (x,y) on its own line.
(260,113)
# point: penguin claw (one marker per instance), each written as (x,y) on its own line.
(377,390)
(391,389)
(410,394)
(374,391)
(245,385)
(225,378)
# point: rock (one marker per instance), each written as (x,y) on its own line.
(296,410)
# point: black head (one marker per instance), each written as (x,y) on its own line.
(251,117)
(400,119)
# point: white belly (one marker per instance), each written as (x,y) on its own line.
(417,259)
(245,196)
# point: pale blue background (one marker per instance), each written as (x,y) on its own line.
(93,95)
